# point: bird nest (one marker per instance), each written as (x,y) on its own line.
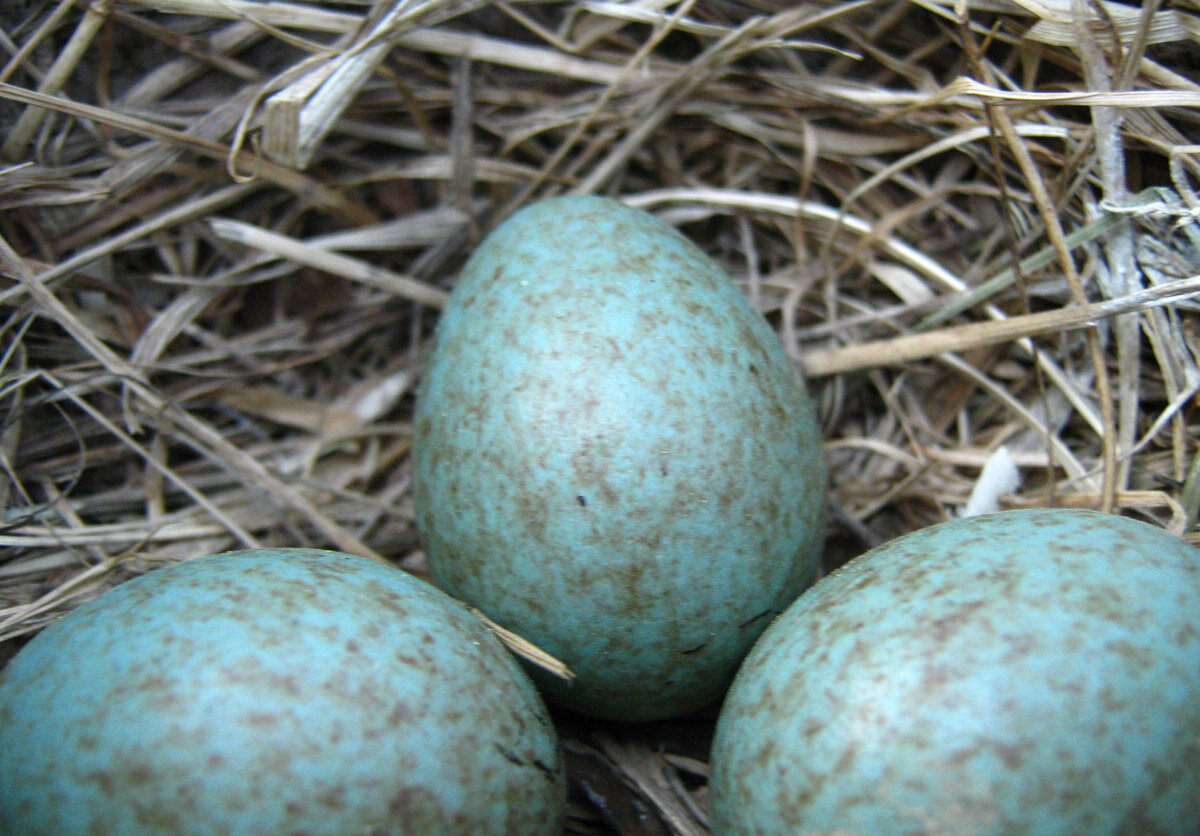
(227,227)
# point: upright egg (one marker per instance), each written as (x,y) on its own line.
(1027,672)
(614,457)
(274,692)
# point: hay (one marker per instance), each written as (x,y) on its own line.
(226,227)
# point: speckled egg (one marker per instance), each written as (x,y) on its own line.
(274,692)
(1025,672)
(614,457)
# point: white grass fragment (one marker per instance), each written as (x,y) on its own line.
(998,477)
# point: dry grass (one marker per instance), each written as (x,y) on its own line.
(226,228)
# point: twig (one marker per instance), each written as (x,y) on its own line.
(336,263)
(904,349)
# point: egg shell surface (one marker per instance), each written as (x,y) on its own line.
(1024,672)
(614,457)
(274,692)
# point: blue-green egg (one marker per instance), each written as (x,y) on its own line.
(274,692)
(1025,672)
(614,457)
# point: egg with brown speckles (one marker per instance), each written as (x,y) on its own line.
(274,692)
(614,457)
(1025,672)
